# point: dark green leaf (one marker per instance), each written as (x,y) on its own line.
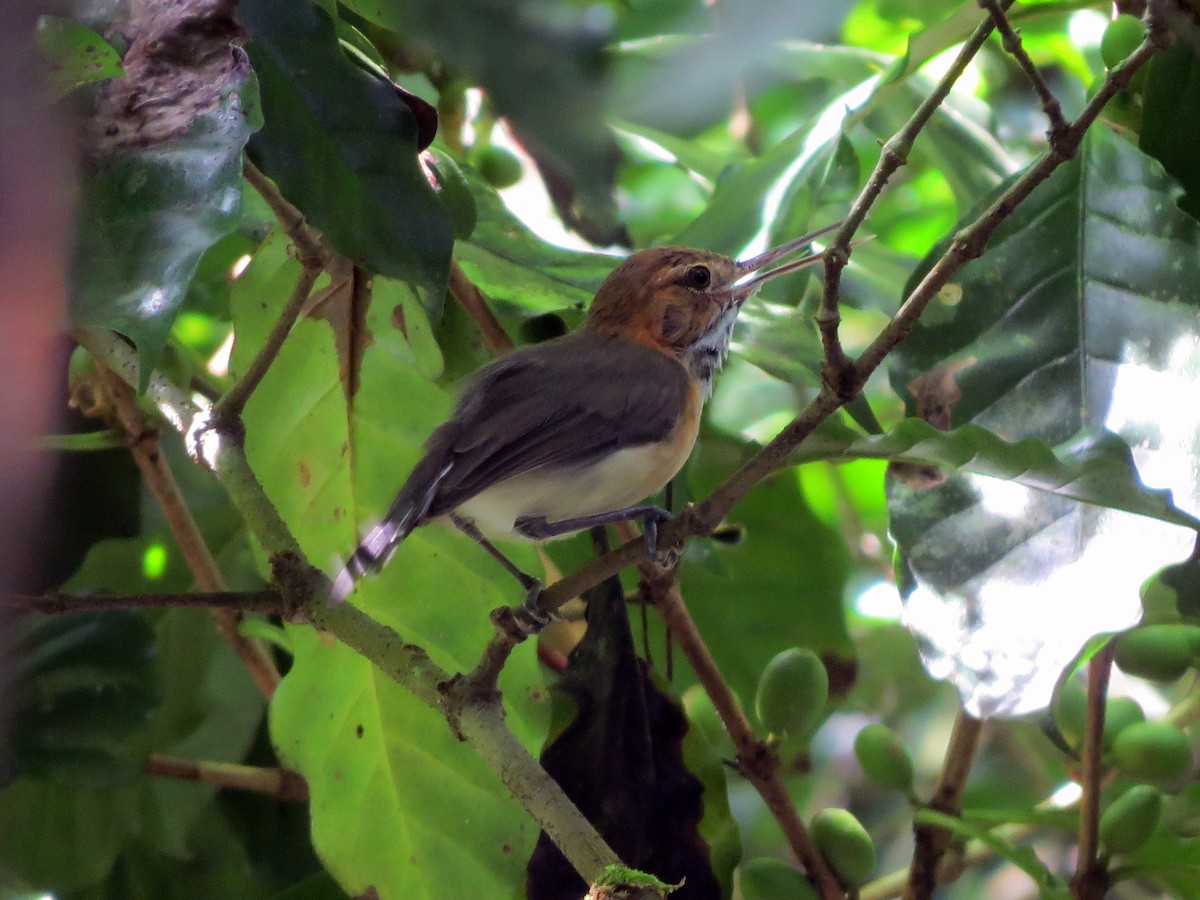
(1082,318)
(342,145)
(544,67)
(163,183)
(84,682)
(1171,114)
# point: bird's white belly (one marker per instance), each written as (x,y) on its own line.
(618,480)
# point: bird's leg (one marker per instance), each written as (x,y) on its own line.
(533,587)
(651,516)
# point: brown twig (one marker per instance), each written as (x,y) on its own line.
(757,760)
(931,842)
(472,300)
(844,378)
(282,783)
(1012,45)
(229,408)
(1091,877)
(265,602)
(142,437)
(310,243)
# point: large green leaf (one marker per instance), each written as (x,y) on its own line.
(544,67)
(341,143)
(162,183)
(83,683)
(1081,319)
(1171,118)
(1096,469)
(394,794)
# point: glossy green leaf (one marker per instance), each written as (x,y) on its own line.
(342,145)
(1171,114)
(77,54)
(150,207)
(1082,317)
(394,793)
(1096,469)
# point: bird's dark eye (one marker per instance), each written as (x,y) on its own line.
(697,277)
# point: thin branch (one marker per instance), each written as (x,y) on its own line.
(142,435)
(229,408)
(1012,45)
(282,783)
(311,244)
(1091,877)
(969,243)
(839,374)
(757,760)
(472,300)
(931,842)
(478,720)
(265,602)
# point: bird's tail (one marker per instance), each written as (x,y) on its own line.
(407,511)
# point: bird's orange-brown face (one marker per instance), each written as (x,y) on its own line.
(667,297)
(684,301)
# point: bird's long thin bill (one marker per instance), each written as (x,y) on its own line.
(748,286)
(754,263)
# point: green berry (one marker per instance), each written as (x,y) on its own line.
(1119,714)
(883,757)
(1153,751)
(498,166)
(1157,652)
(1070,712)
(772,879)
(792,693)
(845,845)
(1132,818)
(1123,35)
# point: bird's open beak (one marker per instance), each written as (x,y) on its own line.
(753,271)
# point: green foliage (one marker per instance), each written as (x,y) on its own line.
(1055,376)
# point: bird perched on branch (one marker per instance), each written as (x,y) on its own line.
(579,430)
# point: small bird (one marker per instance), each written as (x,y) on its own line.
(577,431)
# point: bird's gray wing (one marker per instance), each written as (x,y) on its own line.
(562,404)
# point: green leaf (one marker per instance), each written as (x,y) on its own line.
(1171,114)
(342,145)
(516,268)
(543,66)
(394,793)
(62,837)
(156,195)
(1081,319)
(77,54)
(1096,469)
(84,682)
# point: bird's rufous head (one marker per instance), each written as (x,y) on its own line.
(682,300)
